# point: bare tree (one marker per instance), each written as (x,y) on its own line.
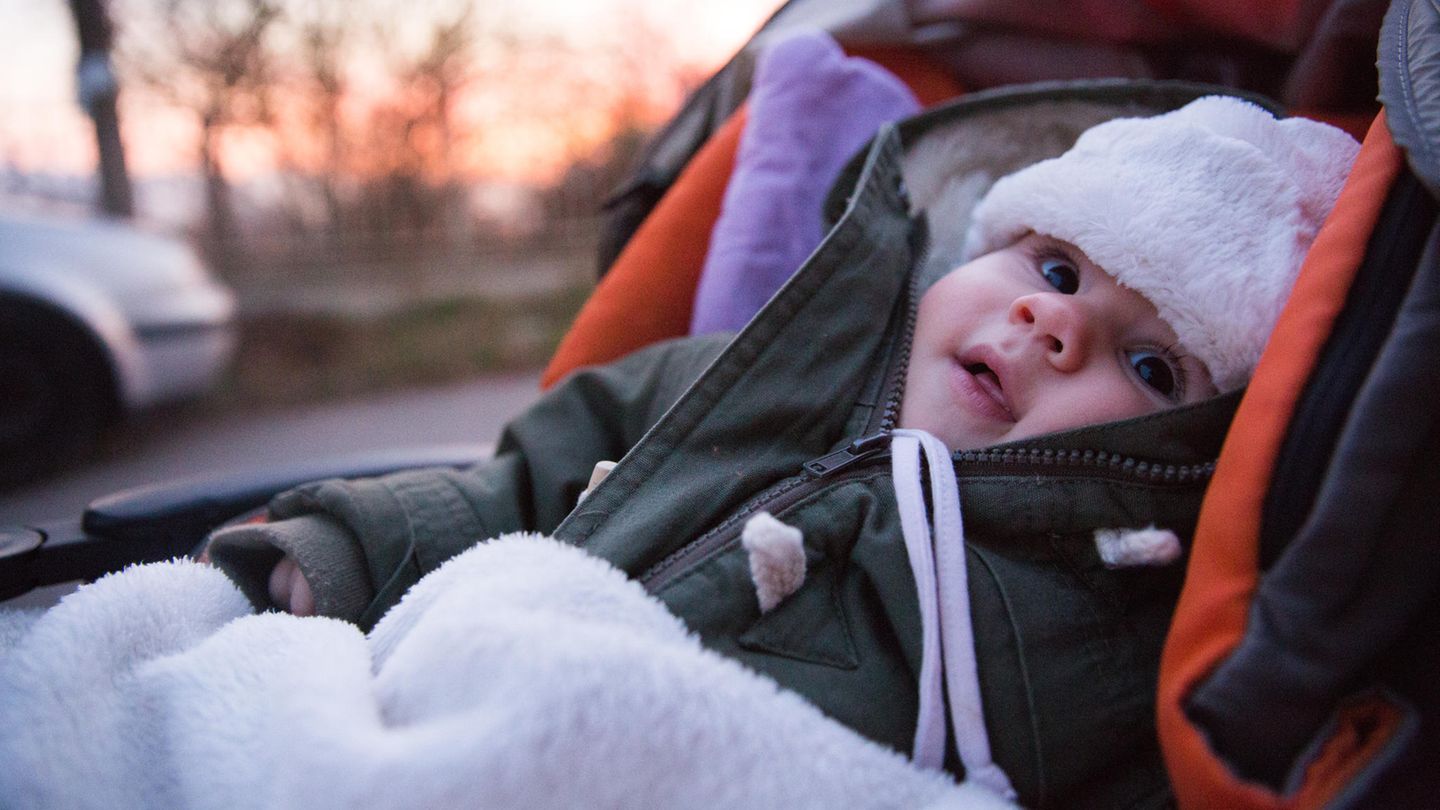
(636,76)
(382,112)
(323,44)
(650,73)
(98,93)
(318,84)
(412,136)
(209,57)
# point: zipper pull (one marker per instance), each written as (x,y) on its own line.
(855,451)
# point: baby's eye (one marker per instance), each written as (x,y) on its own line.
(1061,275)
(1156,371)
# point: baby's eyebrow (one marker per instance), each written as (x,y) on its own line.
(1038,245)
(1044,242)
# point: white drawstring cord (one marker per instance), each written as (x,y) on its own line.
(947,637)
(929,748)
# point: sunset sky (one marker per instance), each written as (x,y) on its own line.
(42,129)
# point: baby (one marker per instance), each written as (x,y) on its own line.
(1048,341)
(1145,267)
(1140,271)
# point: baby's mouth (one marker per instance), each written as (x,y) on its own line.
(989,382)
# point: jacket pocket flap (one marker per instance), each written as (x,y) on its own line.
(810,625)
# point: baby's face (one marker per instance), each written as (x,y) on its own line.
(1036,338)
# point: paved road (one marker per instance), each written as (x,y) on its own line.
(180,445)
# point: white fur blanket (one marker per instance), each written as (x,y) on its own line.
(521,674)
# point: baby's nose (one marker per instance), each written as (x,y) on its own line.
(1058,324)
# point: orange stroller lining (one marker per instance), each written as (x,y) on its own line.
(1223,571)
(647,295)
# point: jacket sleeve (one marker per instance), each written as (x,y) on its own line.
(380,535)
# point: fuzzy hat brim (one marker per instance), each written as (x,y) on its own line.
(1207,211)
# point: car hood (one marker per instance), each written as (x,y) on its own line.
(126,261)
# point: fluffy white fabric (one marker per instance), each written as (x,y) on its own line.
(1207,211)
(1121,548)
(777,558)
(522,673)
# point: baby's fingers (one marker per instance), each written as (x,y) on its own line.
(290,590)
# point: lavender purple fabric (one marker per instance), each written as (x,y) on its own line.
(811,108)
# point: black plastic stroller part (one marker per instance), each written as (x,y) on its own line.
(1348,529)
(1391,261)
(169,520)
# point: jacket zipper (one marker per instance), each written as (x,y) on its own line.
(861,455)
(890,412)
(870,447)
(1094,463)
(856,457)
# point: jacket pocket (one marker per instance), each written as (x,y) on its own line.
(810,625)
(1067,676)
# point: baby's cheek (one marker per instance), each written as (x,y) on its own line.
(1124,401)
(1091,402)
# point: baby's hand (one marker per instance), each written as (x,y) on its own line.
(290,590)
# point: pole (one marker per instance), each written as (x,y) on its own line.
(98,92)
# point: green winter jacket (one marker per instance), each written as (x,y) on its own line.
(709,431)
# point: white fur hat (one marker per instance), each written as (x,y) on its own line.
(1207,211)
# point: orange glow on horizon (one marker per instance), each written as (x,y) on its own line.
(491,142)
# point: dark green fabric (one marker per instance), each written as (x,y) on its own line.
(329,556)
(778,396)
(1068,650)
(247,558)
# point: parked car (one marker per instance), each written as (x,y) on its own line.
(97,319)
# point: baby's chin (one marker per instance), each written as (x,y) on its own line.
(954,435)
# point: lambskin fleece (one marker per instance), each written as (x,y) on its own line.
(522,673)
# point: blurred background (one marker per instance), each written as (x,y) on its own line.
(395,193)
